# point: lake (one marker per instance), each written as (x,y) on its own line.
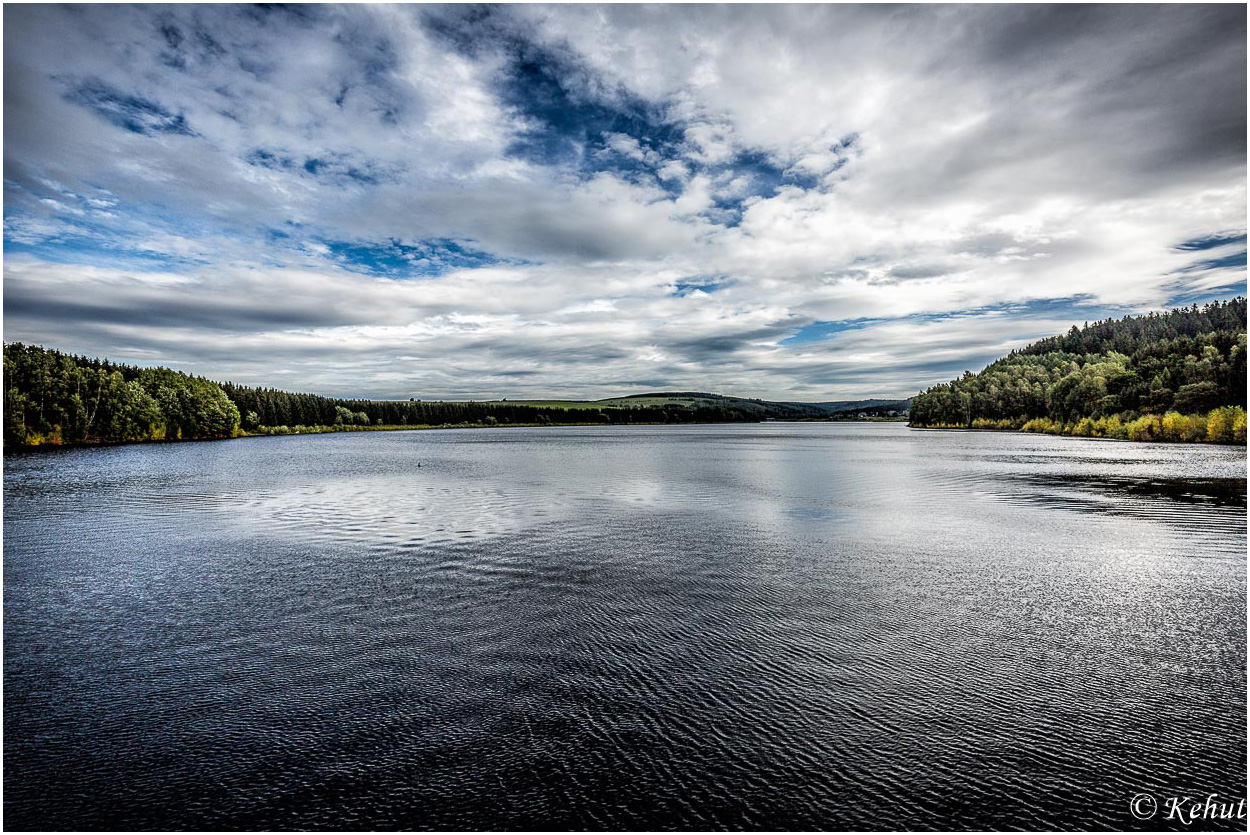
(774,626)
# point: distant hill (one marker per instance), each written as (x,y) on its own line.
(873,407)
(698,399)
(777,410)
(1176,376)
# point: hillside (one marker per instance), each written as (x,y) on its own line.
(876,408)
(1176,376)
(777,410)
(780,410)
(692,399)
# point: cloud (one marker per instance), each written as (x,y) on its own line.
(797,202)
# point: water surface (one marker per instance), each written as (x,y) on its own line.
(776,626)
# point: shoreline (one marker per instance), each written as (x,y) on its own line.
(1077,437)
(326,430)
(311,430)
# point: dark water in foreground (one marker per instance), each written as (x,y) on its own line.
(794,626)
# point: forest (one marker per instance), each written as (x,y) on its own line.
(55,399)
(1174,376)
(263,409)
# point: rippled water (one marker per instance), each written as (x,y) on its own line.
(779,626)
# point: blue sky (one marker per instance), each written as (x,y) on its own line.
(790,202)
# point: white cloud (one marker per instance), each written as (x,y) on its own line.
(937,170)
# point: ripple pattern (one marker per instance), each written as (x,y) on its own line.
(800,627)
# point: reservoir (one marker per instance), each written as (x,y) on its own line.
(778,626)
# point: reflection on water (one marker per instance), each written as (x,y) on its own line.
(1192,505)
(783,626)
(1213,492)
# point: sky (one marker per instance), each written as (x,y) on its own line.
(808,202)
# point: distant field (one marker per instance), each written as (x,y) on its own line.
(671,401)
(550,404)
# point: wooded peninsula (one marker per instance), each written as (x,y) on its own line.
(1176,376)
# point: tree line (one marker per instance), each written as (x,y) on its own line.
(271,408)
(52,398)
(55,398)
(1178,376)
